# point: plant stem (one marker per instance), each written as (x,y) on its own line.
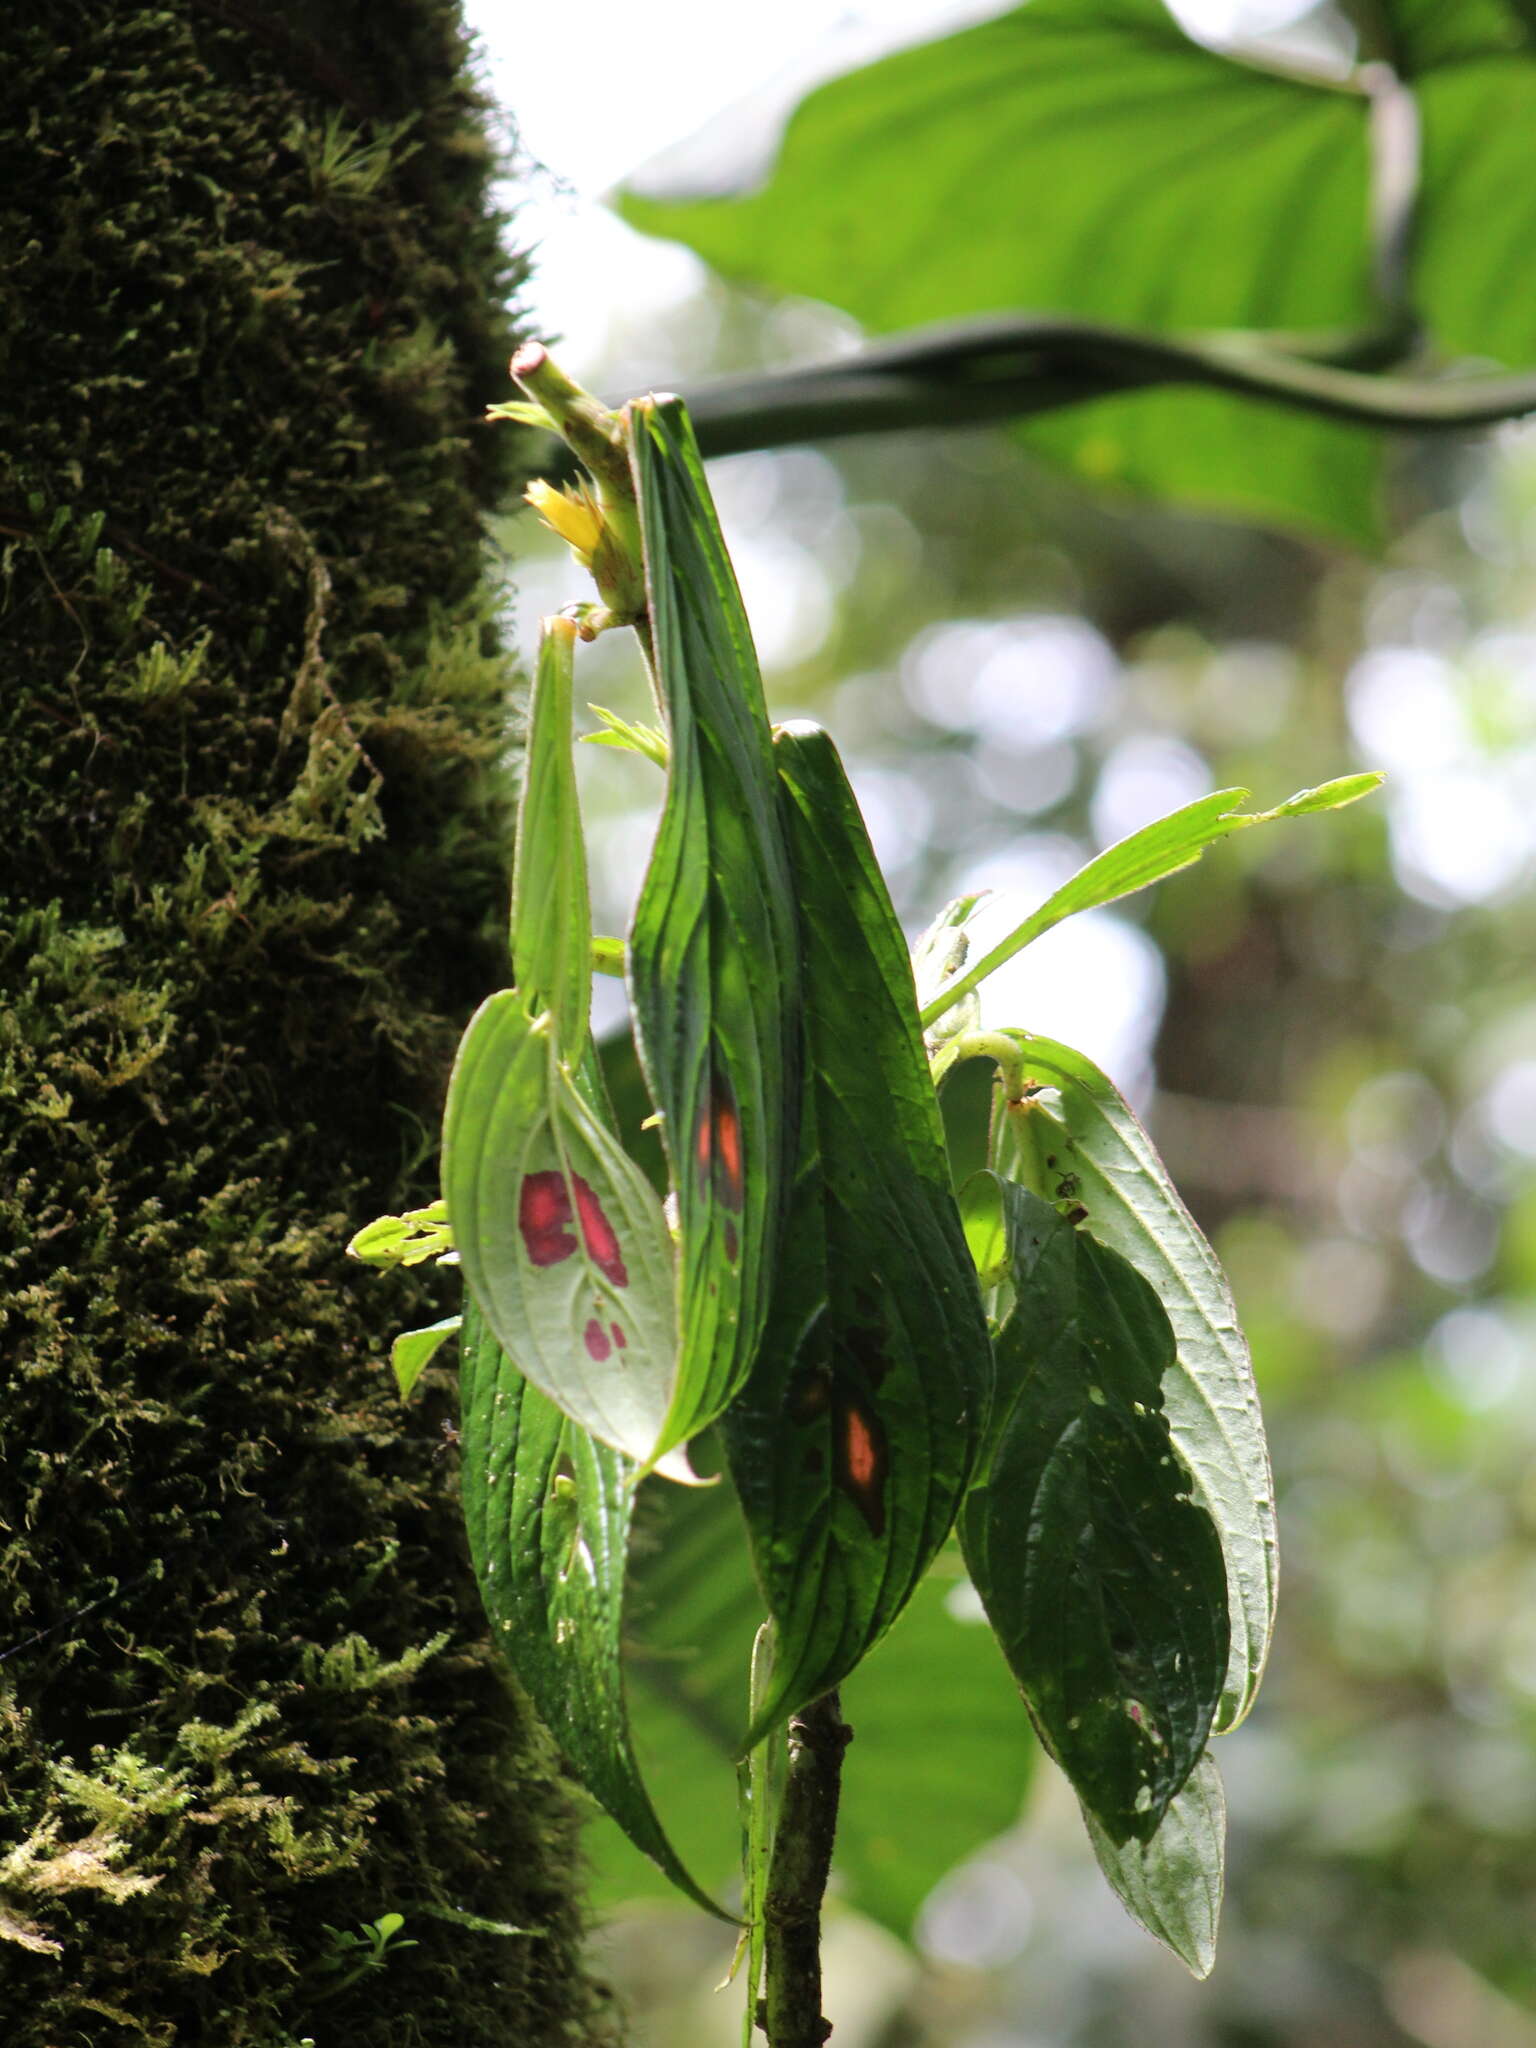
(790,2013)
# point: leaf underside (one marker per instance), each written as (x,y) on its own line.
(855,1436)
(713,953)
(1101,1575)
(1173,1884)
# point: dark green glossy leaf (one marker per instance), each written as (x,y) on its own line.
(547,1509)
(562,1238)
(551,917)
(694,1609)
(1078,1140)
(1084,157)
(1102,1576)
(855,1436)
(713,953)
(1173,1884)
(1156,851)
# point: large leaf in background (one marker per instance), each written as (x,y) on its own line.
(1085,157)
(1173,1883)
(562,1238)
(1477,216)
(911,1808)
(1420,35)
(854,1437)
(1083,1127)
(714,949)
(551,919)
(547,1510)
(1099,1571)
(1156,851)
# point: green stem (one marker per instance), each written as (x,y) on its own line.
(992,1045)
(790,2014)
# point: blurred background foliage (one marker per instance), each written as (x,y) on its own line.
(1332,1031)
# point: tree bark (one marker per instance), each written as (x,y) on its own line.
(250,716)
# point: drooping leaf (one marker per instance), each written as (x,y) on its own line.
(1100,1573)
(694,1609)
(562,1239)
(1084,157)
(713,953)
(413,1351)
(551,917)
(1077,1139)
(1173,1884)
(1156,851)
(548,1509)
(854,1438)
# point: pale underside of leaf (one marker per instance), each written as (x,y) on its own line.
(1173,1884)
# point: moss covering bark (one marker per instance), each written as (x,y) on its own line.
(250,877)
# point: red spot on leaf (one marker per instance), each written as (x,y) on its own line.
(732,1246)
(717,1145)
(862,1462)
(543,1216)
(601,1237)
(620,1341)
(595,1337)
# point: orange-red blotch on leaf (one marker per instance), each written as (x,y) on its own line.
(544,1218)
(863,1462)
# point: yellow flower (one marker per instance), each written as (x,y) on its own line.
(571,514)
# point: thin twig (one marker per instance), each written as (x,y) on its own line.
(790,2013)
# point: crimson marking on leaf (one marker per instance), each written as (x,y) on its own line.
(543,1214)
(863,1461)
(732,1245)
(717,1146)
(595,1337)
(602,1239)
(621,1342)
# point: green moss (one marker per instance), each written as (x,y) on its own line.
(251,708)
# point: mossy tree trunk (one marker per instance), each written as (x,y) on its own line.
(251,711)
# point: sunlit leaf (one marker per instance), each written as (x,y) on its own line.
(547,1510)
(562,1238)
(854,1438)
(1079,1141)
(1147,856)
(1100,1573)
(647,740)
(1173,1884)
(407,1240)
(1084,157)
(693,1612)
(413,1351)
(551,918)
(713,953)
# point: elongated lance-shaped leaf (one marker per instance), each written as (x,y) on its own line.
(1147,856)
(563,1241)
(551,918)
(547,1509)
(713,954)
(855,1436)
(1100,1573)
(1080,1140)
(1173,1884)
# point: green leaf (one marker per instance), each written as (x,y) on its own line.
(1477,211)
(413,1351)
(1150,855)
(562,1238)
(548,1511)
(855,1436)
(713,953)
(1079,1124)
(911,1807)
(1173,1884)
(1084,157)
(407,1240)
(938,958)
(551,917)
(648,740)
(760,1781)
(1101,1575)
(1423,35)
